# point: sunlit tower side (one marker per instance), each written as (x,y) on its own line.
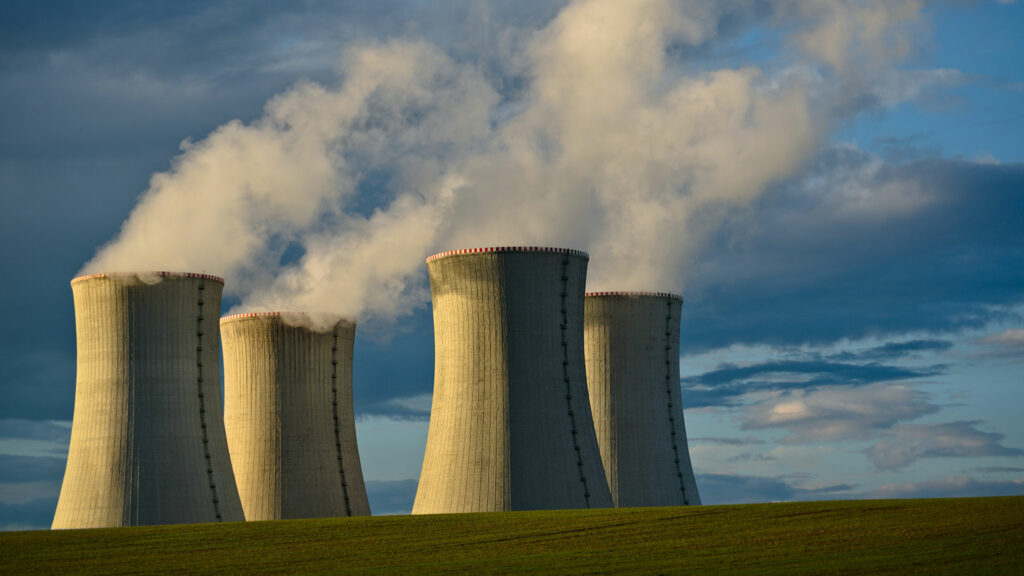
(632,358)
(147,439)
(510,424)
(290,418)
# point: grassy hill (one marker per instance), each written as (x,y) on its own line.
(949,536)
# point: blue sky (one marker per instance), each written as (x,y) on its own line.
(854,317)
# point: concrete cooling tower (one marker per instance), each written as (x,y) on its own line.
(632,354)
(289,417)
(510,426)
(147,439)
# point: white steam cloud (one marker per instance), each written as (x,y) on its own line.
(614,146)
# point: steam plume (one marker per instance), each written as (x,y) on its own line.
(614,147)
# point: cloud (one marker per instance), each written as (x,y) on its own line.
(1006,344)
(29,487)
(418,405)
(21,469)
(997,469)
(894,350)
(725,441)
(45,430)
(838,413)
(36,384)
(857,248)
(752,457)
(929,86)
(727,384)
(19,493)
(849,33)
(951,487)
(907,443)
(391,497)
(384,387)
(33,515)
(740,489)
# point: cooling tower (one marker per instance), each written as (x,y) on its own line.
(510,425)
(147,439)
(289,417)
(632,352)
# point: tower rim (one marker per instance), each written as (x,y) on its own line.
(137,273)
(604,294)
(509,249)
(341,320)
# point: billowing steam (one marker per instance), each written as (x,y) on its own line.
(614,147)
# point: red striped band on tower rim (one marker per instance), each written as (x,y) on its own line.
(509,249)
(643,294)
(217,279)
(243,315)
(278,314)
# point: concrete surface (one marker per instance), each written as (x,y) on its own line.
(147,439)
(290,419)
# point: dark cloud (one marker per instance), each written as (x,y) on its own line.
(908,443)
(725,441)
(391,497)
(34,515)
(29,26)
(739,489)
(91,81)
(35,430)
(30,469)
(857,248)
(37,385)
(907,148)
(998,469)
(752,457)
(894,350)
(727,383)
(957,487)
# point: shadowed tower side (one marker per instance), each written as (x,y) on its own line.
(510,424)
(632,357)
(147,439)
(289,417)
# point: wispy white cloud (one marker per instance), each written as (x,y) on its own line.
(418,405)
(949,487)
(1006,344)
(984,157)
(725,441)
(900,86)
(26,492)
(838,413)
(905,444)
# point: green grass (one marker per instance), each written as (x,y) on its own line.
(954,536)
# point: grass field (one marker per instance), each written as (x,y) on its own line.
(954,536)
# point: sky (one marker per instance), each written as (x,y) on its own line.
(837,188)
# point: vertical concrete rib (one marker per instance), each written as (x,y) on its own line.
(289,416)
(632,359)
(147,439)
(510,424)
